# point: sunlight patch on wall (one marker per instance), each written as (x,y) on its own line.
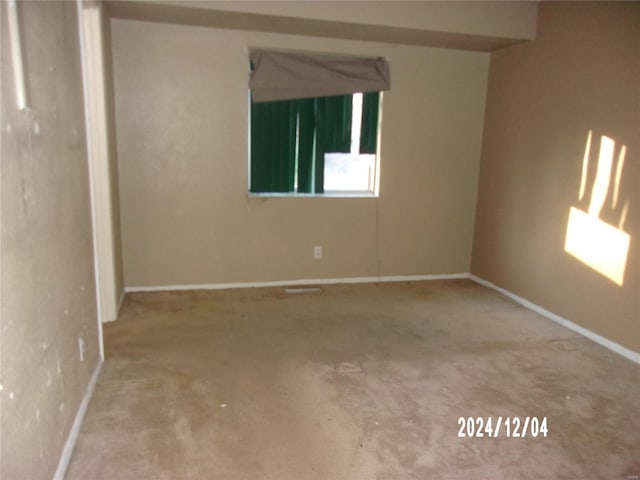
(598,244)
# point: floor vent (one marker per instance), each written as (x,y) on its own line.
(303,290)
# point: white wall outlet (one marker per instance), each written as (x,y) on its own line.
(81,348)
(317,252)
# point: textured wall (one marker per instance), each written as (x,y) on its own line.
(580,75)
(489,18)
(182,119)
(48,291)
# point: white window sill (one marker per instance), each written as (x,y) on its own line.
(314,195)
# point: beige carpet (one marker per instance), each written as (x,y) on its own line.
(355,382)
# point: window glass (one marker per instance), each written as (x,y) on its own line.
(315,145)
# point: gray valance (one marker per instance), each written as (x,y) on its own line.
(277,75)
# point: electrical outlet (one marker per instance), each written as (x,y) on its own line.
(81,348)
(317,252)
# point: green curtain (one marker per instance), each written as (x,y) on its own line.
(333,131)
(306,136)
(333,121)
(273,136)
(369,129)
(324,126)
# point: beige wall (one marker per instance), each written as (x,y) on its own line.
(513,19)
(580,75)
(48,290)
(181,115)
(465,25)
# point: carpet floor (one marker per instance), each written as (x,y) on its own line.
(355,382)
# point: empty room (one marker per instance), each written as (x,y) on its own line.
(320,240)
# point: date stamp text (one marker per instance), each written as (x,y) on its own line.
(509,427)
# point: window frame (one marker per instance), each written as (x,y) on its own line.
(373,193)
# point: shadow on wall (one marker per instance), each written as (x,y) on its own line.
(598,244)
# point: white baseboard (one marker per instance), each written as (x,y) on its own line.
(290,283)
(605,342)
(67,451)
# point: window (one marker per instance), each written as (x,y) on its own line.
(312,130)
(355,172)
(315,145)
